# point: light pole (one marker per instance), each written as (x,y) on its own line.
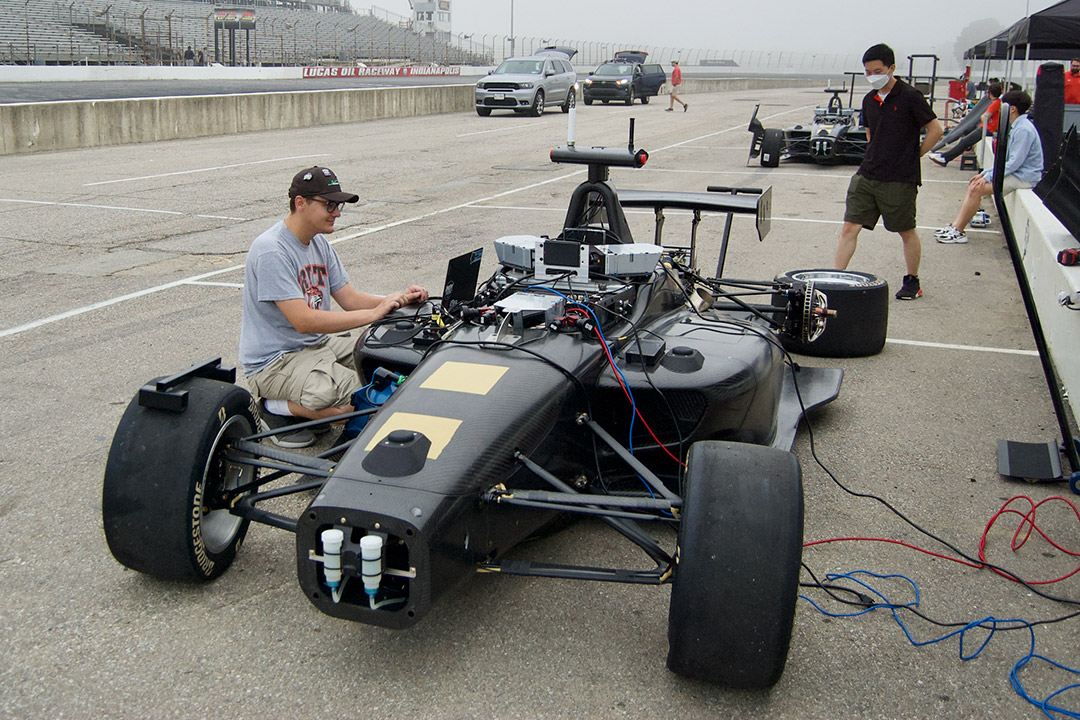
(511,28)
(317,41)
(26,10)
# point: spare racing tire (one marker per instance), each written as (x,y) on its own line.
(161,504)
(772,143)
(736,579)
(861,302)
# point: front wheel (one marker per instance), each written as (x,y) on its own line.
(644,99)
(630,97)
(483,111)
(537,108)
(861,302)
(771,146)
(736,576)
(588,100)
(162,503)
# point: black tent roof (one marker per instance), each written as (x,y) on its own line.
(1055,28)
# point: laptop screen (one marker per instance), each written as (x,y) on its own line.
(462,274)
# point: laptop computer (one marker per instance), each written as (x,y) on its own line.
(462,274)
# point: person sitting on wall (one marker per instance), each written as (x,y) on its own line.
(1023,167)
(990,120)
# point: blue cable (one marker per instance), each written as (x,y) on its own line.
(994,625)
(626,383)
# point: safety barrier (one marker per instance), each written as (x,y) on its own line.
(35,127)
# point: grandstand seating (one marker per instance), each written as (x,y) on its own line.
(287,32)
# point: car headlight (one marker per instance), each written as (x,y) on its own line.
(622,81)
(480,85)
(525,86)
(588,81)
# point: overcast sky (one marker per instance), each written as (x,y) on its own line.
(909,26)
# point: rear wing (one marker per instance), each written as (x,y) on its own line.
(724,200)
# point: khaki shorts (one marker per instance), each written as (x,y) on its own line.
(316,378)
(893,202)
(1011,183)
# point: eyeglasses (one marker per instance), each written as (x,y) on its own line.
(331,205)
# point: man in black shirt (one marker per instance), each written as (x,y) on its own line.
(887,182)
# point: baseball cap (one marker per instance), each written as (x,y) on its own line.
(319,181)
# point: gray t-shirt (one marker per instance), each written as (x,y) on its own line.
(280,267)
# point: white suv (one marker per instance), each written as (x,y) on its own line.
(529,84)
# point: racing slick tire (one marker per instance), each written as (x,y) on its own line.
(483,111)
(163,470)
(736,578)
(861,302)
(537,108)
(771,146)
(571,101)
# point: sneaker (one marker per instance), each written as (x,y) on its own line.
(952,237)
(981,219)
(910,289)
(670,110)
(684,106)
(301,438)
(942,232)
(938,159)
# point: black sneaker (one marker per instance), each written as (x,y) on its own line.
(301,438)
(910,289)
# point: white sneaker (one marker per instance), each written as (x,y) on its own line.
(981,219)
(953,237)
(945,231)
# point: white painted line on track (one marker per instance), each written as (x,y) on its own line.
(751,169)
(204,170)
(969,348)
(505,128)
(238,286)
(122,208)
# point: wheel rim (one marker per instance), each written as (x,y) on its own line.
(836,277)
(219,527)
(539,103)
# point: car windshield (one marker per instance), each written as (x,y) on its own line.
(519,67)
(615,69)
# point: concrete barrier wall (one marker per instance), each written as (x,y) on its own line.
(32,127)
(36,127)
(1040,237)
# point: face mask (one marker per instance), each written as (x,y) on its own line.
(877,81)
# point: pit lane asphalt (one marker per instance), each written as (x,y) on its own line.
(122,264)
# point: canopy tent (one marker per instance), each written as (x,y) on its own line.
(1051,34)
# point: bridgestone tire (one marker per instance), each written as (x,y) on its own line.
(537,108)
(861,302)
(571,101)
(163,472)
(771,145)
(737,576)
(483,111)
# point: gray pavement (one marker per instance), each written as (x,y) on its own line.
(122,264)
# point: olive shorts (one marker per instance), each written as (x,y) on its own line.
(893,202)
(316,377)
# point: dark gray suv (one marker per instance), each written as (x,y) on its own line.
(625,78)
(529,84)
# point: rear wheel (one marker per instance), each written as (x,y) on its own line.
(737,576)
(771,145)
(537,108)
(571,100)
(162,504)
(861,302)
(483,111)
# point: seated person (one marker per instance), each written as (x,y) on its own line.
(990,120)
(294,355)
(1023,167)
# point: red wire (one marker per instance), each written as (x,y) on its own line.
(611,361)
(1026,527)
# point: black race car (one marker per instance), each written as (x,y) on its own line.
(834,136)
(589,375)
